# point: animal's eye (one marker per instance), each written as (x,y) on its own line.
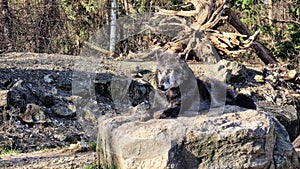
(168,80)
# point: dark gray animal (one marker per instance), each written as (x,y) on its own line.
(180,92)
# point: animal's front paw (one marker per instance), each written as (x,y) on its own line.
(145,117)
(159,115)
(156,115)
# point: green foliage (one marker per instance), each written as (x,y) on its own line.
(281,34)
(252,14)
(91,166)
(243,4)
(83,17)
(113,166)
(141,6)
(9,151)
(95,166)
(291,45)
(108,166)
(93,146)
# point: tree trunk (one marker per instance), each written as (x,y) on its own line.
(47,21)
(5,22)
(259,49)
(113,26)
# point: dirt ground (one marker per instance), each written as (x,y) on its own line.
(51,158)
(37,140)
(46,80)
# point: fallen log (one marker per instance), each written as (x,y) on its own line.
(258,48)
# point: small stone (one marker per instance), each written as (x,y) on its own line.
(75,99)
(269,77)
(279,101)
(297,80)
(3,98)
(53,90)
(60,137)
(246,91)
(80,146)
(72,107)
(48,78)
(18,84)
(48,100)
(259,78)
(63,111)
(290,75)
(296,142)
(33,114)
(74,146)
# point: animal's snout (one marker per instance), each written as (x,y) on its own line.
(164,84)
(162,87)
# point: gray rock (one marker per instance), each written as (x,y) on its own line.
(237,139)
(225,71)
(60,136)
(205,51)
(48,78)
(296,144)
(289,117)
(286,114)
(3,98)
(80,146)
(3,104)
(18,84)
(232,71)
(64,110)
(285,155)
(33,114)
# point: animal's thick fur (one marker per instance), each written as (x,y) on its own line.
(179,91)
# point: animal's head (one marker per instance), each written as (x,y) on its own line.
(170,72)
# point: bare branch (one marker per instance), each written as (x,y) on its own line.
(287,21)
(178,13)
(104,51)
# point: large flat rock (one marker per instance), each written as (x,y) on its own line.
(238,138)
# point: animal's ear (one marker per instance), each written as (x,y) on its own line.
(178,56)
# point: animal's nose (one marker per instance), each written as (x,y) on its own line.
(162,87)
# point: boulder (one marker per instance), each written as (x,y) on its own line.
(224,70)
(237,138)
(64,110)
(3,104)
(34,114)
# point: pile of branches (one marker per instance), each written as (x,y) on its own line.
(207,16)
